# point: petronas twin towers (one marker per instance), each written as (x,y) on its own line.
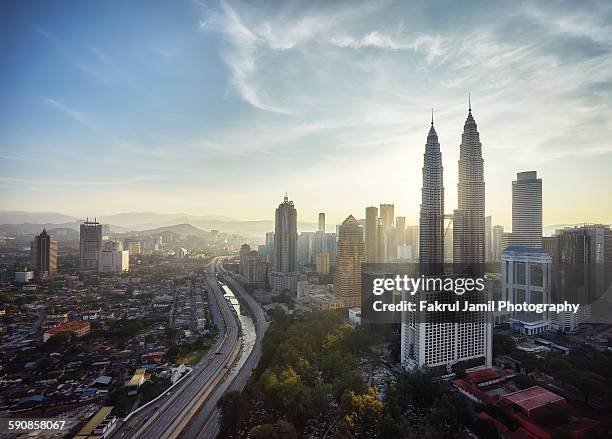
(468,218)
(428,339)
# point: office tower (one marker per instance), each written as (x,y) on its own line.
(331,246)
(431,221)
(284,276)
(488,240)
(371,234)
(270,246)
(244,251)
(306,249)
(381,241)
(351,254)
(582,271)
(323,263)
(44,254)
(469,217)
(400,229)
(90,245)
(387,219)
(387,215)
(412,240)
(496,242)
(433,340)
(113,259)
(527,210)
(526,278)
(322,222)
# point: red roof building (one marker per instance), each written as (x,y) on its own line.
(532,399)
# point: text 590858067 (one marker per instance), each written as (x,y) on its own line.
(15,425)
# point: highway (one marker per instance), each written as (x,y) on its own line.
(207,424)
(169,417)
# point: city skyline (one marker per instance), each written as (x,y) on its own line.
(203,108)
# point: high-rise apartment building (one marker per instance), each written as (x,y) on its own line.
(527,210)
(371,234)
(43,254)
(431,220)
(284,274)
(90,245)
(351,254)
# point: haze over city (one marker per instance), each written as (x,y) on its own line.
(221,107)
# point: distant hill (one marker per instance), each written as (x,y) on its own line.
(179,229)
(33,229)
(21,217)
(151,220)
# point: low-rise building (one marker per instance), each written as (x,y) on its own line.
(79,328)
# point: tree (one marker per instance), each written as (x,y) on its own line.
(279,430)
(586,382)
(361,414)
(234,410)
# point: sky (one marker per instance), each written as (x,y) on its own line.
(222,107)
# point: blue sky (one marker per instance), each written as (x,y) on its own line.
(221,107)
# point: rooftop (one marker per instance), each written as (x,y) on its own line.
(532,399)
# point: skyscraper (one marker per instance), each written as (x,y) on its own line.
(387,215)
(469,217)
(438,342)
(527,210)
(322,222)
(387,220)
(431,221)
(371,234)
(496,242)
(582,272)
(284,276)
(351,254)
(269,246)
(90,245)
(44,254)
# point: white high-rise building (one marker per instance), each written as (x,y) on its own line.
(526,278)
(113,259)
(527,210)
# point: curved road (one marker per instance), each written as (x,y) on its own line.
(211,428)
